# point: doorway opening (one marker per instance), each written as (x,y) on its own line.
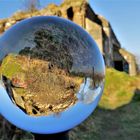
(70,13)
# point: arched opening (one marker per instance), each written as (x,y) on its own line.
(118,65)
(70,13)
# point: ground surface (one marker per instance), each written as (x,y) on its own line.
(118,114)
(39,87)
(120,120)
(119,124)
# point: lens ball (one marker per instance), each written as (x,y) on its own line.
(51,72)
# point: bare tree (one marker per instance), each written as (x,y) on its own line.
(31,5)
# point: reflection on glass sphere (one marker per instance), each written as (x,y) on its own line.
(49,67)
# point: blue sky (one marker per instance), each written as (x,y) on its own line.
(124,16)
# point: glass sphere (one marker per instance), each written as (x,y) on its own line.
(52,74)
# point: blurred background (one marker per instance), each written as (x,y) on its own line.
(114,24)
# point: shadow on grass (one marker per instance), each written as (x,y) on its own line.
(137,95)
(120,124)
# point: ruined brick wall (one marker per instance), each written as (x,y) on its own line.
(93,28)
(131,61)
(82,14)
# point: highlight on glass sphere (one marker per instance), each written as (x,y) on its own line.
(51,72)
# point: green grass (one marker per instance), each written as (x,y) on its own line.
(118,114)
(119,89)
(9,66)
(120,124)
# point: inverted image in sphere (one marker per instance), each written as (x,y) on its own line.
(49,66)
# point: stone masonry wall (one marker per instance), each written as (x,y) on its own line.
(81,13)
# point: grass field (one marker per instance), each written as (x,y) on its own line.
(116,118)
(118,114)
(119,89)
